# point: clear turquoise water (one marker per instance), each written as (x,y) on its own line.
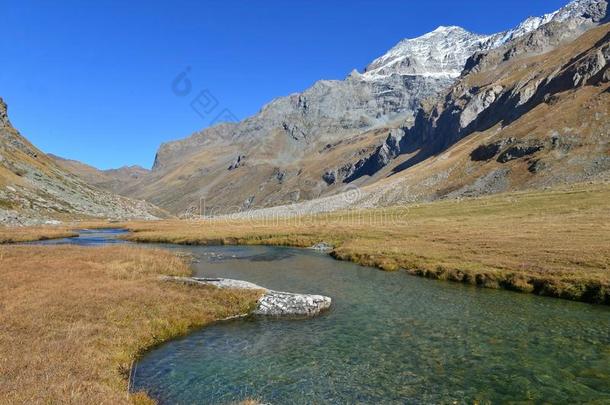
(389,338)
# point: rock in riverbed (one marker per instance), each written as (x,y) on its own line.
(272,303)
(322,246)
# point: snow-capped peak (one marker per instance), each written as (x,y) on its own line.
(443,52)
(577,9)
(447,29)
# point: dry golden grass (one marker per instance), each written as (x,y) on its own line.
(73,319)
(553,242)
(30,234)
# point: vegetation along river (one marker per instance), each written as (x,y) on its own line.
(389,338)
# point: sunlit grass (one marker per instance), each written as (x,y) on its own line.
(30,234)
(553,242)
(74,319)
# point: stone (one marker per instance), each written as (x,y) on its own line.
(52,222)
(518,151)
(322,246)
(275,303)
(238,162)
(536,166)
(489,151)
(272,303)
(485,152)
(329,177)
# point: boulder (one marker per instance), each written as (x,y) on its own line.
(329,177)
(272,303)
(238,162)
(518,151)
(322,246)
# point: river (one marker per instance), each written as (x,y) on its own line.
(389,338)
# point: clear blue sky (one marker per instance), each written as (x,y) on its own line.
(91,80)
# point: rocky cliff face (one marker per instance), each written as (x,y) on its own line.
(3,115)
(389,91)
(485,95)
(472,106)
(529,122)
(33,189)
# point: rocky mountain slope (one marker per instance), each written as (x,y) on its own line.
(417,102)
(496,86)
(529,121)
(33,189)
(114,180)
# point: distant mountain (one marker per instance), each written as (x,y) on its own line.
(118,181)
(35,190)
(444,51)
(409,106)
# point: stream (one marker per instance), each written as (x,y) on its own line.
(388,338)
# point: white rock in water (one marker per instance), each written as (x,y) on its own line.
(277,303)
(272,303)
(323,246)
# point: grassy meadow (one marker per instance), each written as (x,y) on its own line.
(31,234)
(552,242)
(74,319)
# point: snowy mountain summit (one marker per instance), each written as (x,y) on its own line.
(443,52)
(440,53)
(578,11)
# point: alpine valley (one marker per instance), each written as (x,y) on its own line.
(449,114)
(242,267)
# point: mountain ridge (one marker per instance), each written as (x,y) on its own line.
(117,180)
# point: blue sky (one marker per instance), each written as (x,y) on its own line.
(93,80)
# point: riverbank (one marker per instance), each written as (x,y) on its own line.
(552,242)
(74,319)
(17,234)
(32,234)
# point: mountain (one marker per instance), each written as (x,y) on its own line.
(518,118)
(305,145)
(559,135)
(297,147)
(444,51)
(118,181)
(408,107)
(486,94)
(34,189)
(441,53)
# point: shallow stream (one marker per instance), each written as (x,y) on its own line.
(389,338)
